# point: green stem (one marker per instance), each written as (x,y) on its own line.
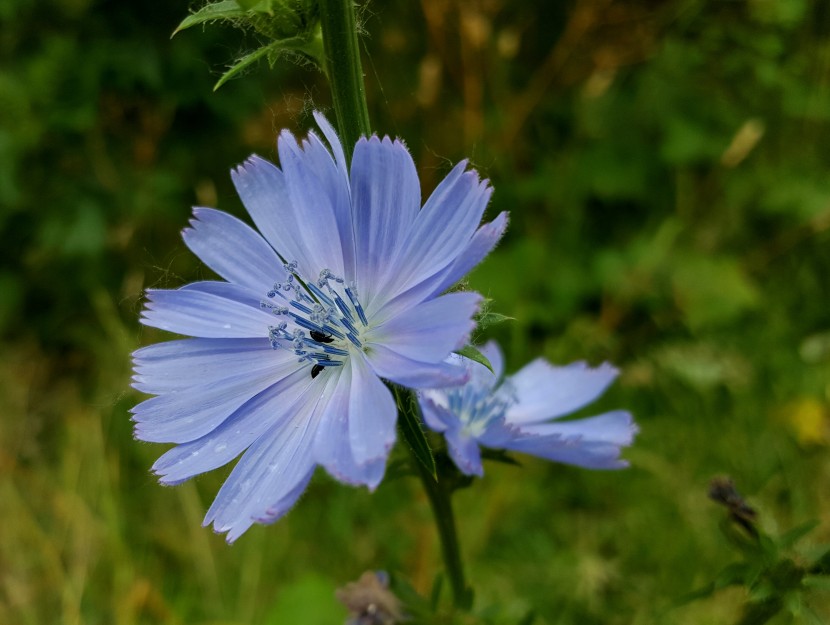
(440,499)
(344,71)
(342,65)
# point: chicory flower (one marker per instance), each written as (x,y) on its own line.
(521,413)
(339,290)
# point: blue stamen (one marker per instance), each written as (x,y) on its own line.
(333,331)
(305,323)
(357,306)
(321,309)
(302,307)
(343,308)
(348,325)
(329,363)
(333,350)
(320,295)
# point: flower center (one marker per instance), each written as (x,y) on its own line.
(320,319)
(479,405)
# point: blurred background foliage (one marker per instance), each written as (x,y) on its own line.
(666,166)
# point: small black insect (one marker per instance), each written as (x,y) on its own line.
(315,370)
(321,337)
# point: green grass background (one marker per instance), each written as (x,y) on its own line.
(666,164)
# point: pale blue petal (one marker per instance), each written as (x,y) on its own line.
(492,352)
(386,196)
(616,427)
(482,243)
(546,392)
(203,315)
(280,508)
(392,366)
(268,473)
(441,232)
(235,292)
(233,250)
(594,443)
(335,184)
(334,142)
(315,209)
(464,451)
(193,412)
(330,446)
(174,365)
(273,406)
(435,410)
(431,330)
(372,413)
(261,187)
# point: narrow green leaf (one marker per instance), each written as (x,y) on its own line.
(489,318)
(270,51)
(260,6)
(413,433)
(223,10)
(468,351)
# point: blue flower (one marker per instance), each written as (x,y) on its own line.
(340,289)
(521,412)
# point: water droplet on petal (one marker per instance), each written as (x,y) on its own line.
(220,447)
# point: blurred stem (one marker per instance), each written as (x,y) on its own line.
(440,498)
(345,74)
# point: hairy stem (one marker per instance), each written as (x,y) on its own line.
(345,74)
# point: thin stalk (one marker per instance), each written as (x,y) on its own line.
(440,499)
(345,74)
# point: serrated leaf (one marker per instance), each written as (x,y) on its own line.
(489,318)
(468,351)
(260,6)
(413,433)
(794,535)
(274,48)
(224,10)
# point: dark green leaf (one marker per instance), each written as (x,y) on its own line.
(472,353)
(409,423)
(224,10)
(488,318)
